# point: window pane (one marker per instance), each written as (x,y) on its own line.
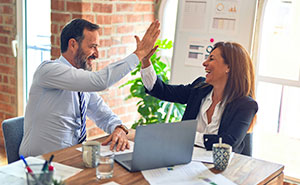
(38,37)
(168,24)
(290,111)
(279,52)
(268,108)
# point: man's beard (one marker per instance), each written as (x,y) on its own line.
(81,60)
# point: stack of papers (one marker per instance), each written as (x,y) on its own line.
(14,173)
(189,174)
(106,149)
(201,154)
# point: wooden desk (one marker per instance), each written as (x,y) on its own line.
(242,170)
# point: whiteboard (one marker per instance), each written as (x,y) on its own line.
(202,23)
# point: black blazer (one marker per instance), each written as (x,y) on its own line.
(235,120)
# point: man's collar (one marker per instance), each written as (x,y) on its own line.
(65,61)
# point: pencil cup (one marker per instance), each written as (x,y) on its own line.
(38,177)
(89,151)
(221,155)
(105,165)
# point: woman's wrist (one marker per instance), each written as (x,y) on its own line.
(145,63)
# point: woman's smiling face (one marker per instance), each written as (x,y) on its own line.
(216,69)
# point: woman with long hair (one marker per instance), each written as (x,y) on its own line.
(222,101)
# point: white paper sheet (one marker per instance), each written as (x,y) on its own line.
(192,173)
(201,154)
(105,149)
(16,170)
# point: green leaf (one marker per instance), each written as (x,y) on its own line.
(153,110)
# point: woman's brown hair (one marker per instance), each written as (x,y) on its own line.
(241,73)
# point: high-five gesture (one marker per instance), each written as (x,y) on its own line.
(145,45)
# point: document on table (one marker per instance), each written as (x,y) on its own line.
(105,149)
(188,174)
(16,170)
(201,154)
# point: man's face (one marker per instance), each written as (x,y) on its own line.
(87,50)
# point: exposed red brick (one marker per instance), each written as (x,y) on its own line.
(5,9)
(149,17)
(105,42)
(7,89)
(13,100)
(119,110)
(74,6)
(5,79)
(8,108)
(4,98)
(5,50)
(134,18)
(102,8)
(9,19)
(103,19)
(125,7)
(54,29)
(112,52)
(55,52)
(125,29)
(5,29)
(116,40)
(95,131)
(128,39)
(142,7)
(122,50)
(7,1)
(107,31)
(12,80)
(60,17)
(58,5)
(3,40)
(89,17)
(117,19)
(53,40)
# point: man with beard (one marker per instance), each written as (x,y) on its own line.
(63,92)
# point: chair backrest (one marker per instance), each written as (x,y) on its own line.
(13,134)
(248,145)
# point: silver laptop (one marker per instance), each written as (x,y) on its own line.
(160,145)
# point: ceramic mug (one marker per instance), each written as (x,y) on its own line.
(221,155)
(90,149)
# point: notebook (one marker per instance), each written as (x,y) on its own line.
(160,145)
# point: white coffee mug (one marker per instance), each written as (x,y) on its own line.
(90,149)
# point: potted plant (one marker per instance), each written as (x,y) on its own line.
(153,110)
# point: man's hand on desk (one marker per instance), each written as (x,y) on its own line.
(119,138)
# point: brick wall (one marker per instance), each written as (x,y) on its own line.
(8,67)
(119,20)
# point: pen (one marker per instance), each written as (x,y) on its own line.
(51,158)
(45,166)
(30,171)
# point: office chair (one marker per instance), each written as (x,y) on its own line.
(248,145)
(13,134)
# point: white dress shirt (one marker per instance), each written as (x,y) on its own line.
(149,78)
(52,116)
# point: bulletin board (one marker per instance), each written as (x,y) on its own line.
(202,23)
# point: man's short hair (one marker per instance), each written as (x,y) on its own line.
(74,29)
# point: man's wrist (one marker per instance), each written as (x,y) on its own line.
(124,128)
